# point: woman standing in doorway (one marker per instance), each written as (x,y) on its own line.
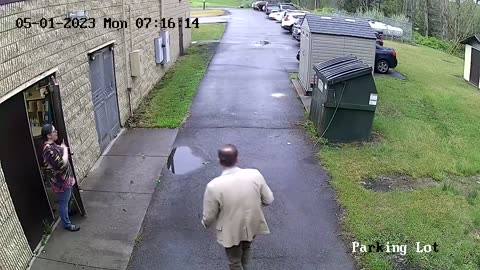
(59,173)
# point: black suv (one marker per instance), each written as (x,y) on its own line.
(385,59)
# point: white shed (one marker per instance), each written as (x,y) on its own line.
(471,71)
(323,38)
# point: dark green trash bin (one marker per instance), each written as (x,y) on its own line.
(344,100)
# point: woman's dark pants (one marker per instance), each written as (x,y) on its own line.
(63,202)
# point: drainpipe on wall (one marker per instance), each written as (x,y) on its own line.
(127,69)
(161,14)
(130,23)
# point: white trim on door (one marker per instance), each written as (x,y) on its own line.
(28,84)
(101,47)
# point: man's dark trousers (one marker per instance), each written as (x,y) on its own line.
(239,256)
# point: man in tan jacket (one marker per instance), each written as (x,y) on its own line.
(233,203)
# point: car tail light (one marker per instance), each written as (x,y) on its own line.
(394,54)
(286,19)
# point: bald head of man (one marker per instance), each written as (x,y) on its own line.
(227,155)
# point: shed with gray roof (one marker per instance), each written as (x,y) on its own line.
(471,72)
(323,38)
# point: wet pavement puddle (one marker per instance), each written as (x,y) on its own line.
(182,160)
(278,95)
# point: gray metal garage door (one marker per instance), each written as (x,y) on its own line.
(104,95)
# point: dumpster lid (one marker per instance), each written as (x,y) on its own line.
(340,69)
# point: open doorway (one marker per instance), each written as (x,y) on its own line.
(22,117)
(21,170)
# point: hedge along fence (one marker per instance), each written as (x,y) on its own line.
(441,45)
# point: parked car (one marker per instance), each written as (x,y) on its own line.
(385,59)
(261,5)
(288,6)
(276,15)
(271,7)
(258,5)
(281,14)
(296,29)
(290,18)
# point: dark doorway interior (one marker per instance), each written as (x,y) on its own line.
(21,169)
(22,118)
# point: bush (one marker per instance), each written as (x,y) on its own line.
(431,42)
(325,10)
(438,44)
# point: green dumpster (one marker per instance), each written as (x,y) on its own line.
(344,100)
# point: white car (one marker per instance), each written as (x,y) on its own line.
(277,15)
(290,18)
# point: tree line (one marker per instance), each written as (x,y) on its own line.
(446,20)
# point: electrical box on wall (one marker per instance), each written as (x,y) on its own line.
(135,63)
(166,47)
(158,42)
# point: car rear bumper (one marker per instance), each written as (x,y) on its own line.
(393,63)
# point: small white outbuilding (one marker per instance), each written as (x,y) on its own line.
(323,38)
(471,71)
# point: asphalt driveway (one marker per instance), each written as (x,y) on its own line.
(246,99)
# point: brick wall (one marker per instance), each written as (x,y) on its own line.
(144,38)
(27,53)
(14,249)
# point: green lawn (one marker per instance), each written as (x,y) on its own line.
(430,127)
(167,104)
(206,13)
(216,3)
(208,31)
